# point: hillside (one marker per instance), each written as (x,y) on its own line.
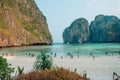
(22,23)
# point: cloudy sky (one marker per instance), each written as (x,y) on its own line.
(61,13)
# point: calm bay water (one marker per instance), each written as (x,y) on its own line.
(62,49)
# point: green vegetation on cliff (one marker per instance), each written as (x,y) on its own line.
(22,23)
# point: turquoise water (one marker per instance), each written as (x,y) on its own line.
(62,49)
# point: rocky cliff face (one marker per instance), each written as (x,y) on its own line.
(22,23)
(102,29)
(78,32)
(105,29)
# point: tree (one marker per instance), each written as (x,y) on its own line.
(43,62)
(5,69)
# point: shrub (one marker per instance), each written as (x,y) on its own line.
(20,70)
(43,61)
(52,74)
(5,69)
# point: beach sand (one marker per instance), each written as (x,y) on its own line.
(99,68)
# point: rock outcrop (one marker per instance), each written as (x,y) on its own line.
(105,29)
(22,23)
(78,32)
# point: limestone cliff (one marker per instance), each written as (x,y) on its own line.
(105,29)
(78,32)
(22,23)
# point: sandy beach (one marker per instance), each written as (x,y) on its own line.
(101,68)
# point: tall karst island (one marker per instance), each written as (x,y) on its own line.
(78,32)
(22,23)
(104,29)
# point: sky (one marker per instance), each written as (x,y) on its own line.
(61,13)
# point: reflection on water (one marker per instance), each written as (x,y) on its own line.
(62,49)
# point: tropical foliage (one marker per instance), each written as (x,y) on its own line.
(20,70)
(5,69)
(43,62)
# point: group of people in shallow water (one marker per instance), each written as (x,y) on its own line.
(55,55)
(6,54)
(108,54)
(30,54)
(91,54)
(68,54)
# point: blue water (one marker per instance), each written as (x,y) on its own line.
(62,49)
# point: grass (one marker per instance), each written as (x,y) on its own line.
(52,74)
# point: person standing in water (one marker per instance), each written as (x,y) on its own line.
(93,57)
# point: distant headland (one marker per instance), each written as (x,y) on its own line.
(103,29)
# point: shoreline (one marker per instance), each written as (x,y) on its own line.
(99,68)
(24,45)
